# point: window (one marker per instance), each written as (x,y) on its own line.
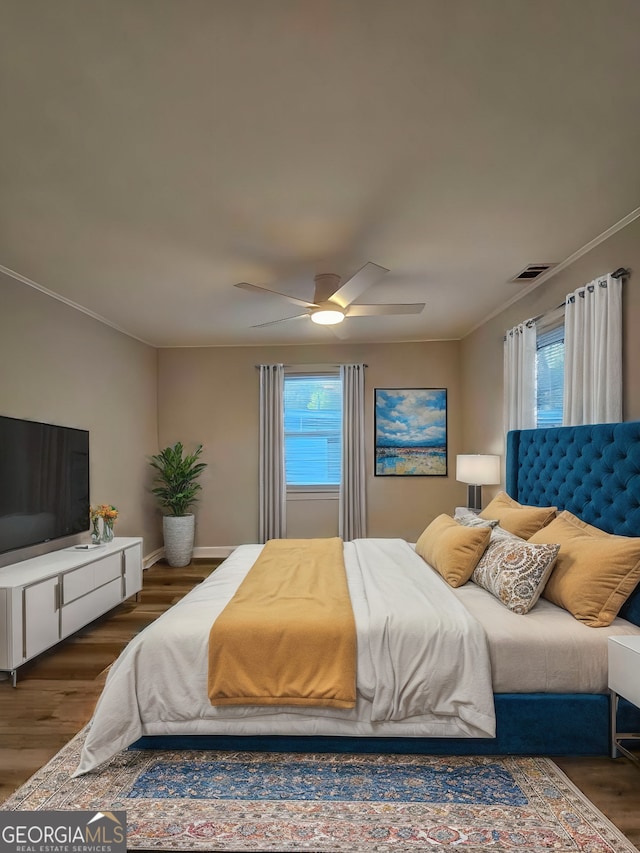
(312,430)
(550,372)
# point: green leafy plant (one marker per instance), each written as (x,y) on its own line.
(176,487)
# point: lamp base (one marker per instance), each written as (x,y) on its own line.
(474,498)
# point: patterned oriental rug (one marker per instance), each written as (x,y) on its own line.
(249,801)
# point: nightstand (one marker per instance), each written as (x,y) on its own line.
(624,680)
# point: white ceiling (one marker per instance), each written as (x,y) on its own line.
(152,154)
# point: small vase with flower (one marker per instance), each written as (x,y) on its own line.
(107,530)
(95,527)
(108,513)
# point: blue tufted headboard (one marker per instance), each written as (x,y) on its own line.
(593,471)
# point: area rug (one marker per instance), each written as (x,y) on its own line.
(249,801)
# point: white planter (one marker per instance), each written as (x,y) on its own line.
(178,533)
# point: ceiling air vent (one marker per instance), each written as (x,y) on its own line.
(532,271)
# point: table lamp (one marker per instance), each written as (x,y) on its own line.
(477,470)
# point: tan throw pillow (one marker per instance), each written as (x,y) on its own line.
(452,550)
(515,571)
(595,571)
(517,518)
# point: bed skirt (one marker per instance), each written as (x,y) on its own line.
(527,724)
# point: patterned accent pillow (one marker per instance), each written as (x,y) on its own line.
(515,571)
(466,516)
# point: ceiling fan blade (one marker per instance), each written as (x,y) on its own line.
(358,283)
(378,310)
(244,285)
(281,320)
(339,330)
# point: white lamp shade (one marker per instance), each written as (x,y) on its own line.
(478,469)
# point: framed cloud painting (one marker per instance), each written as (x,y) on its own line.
(410,432)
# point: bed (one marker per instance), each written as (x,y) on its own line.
(557,705)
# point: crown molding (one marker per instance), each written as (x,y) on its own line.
(70,303)
(627,220)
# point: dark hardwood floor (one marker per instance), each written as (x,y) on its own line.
(56,694)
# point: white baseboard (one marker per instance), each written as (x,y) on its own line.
(212,551)
(152,558)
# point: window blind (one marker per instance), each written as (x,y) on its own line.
(550,376)
(312,430)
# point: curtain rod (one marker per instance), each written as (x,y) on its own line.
(309,366)
(621,272)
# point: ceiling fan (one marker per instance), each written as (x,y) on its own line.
(332,300)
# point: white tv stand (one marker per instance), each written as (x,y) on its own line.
(47,598)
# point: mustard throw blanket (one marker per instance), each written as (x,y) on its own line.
(288,635)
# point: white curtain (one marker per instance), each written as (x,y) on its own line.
(520,377)
(272,480)
(593,353)
(353,501)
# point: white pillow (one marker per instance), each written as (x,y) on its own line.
(498,532)
(467,517)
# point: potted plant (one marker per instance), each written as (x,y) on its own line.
(177,490)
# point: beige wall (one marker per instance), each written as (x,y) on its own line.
(210,396)
(481,352)
(63,367)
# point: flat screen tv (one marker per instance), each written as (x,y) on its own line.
(44,482)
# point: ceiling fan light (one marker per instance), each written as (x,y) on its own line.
(327,317)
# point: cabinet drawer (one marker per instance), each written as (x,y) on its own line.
(108,569)
(84,610)
(85,579)
(133,570)
(5,636)
(40,617)
(624,667)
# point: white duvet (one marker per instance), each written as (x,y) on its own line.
(423,664)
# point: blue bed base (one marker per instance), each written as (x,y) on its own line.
(526,724)
(592,471)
